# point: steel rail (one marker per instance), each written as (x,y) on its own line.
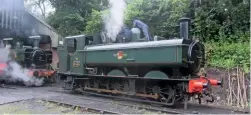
(150,109)
(86,108)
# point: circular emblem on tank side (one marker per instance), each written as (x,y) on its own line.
(120,55)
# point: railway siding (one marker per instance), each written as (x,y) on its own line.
(106,107)
(53,97)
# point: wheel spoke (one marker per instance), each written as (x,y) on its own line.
(164,93)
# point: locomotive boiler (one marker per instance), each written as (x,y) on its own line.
(162,70)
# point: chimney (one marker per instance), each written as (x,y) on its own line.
(36,40)
(184,27)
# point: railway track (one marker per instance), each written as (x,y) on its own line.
(101,111)
(152,108)
(149,108)
(120,101)
(15,101)
(83,108)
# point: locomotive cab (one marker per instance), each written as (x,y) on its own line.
(71,52)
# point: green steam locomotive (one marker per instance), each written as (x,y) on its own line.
(163,71)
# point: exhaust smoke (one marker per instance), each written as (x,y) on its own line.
(15,73)
(19,74)
(115,20)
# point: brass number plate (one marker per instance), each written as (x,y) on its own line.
(76,63)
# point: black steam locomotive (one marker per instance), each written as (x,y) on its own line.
(31,56)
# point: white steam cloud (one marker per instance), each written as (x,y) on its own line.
(21,74)
(15,73)
(115,21)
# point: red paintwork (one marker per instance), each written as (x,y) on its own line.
(2,66)
(41,72)
(196,85)
(120,53)
(55,57)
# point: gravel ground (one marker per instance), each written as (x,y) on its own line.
(9,104)
(54,93)
(38,107)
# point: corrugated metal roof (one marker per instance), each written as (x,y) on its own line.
(12,4)
(42,21)
(11,19)
(11,12)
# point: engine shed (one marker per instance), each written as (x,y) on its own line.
(17,22)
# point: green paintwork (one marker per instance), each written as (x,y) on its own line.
(67,60)
(116,73)
(20,54)
(156,74)
(166,54)
(77,57)
(64,60)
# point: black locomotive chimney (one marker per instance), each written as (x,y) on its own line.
(184,27)
(36,40)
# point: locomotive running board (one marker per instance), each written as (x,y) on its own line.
(135,77)
(125,77)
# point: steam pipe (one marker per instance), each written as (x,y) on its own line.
(184,27)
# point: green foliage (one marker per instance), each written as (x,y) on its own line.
(213,18)
(228,55)
(67,23)
(71,16)
(94,23)
(222,24)
(160,15)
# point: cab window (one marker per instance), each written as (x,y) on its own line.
(89,40)
(71,45)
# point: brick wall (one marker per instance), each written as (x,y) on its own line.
(55,58)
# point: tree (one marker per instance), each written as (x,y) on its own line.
(71,16)
(225,20)
(40,8)
(95,22)
(221,19)
(160,15)
(218,23)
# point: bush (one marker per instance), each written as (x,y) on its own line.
(228,55)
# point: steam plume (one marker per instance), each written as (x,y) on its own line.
(115,21)
(21,74)
(15,73)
